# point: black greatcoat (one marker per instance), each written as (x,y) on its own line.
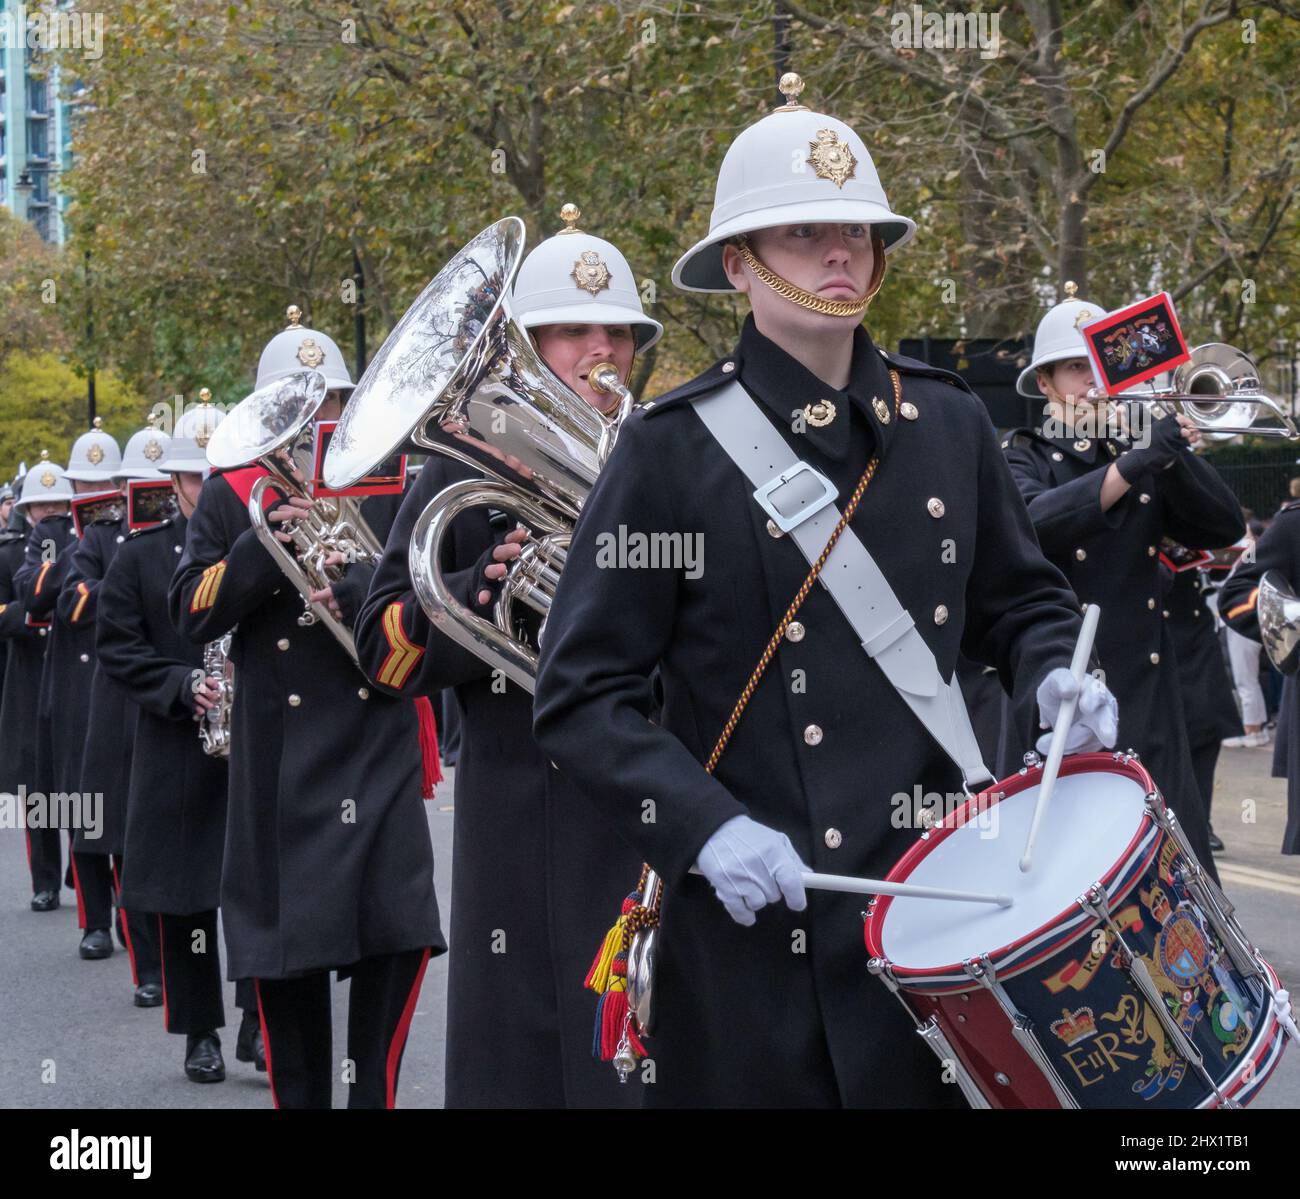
(109,725)
(22,677)
(784,1013)
(1278,550)
(1111,559)
(1209,709)
(531,856)
(327,857)
(45,564)
(176,813)
(11,554)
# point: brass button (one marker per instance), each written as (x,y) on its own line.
(1151,551)
(812,735)
(1155,659)
(934,506)
(1081,554)
(1057,456)
(1196,611)
(85,657)
(282,644)
(363,692)
(1083,445)
(728,367)
(833,838)
(1151,603)
(794,631)
(1165,613)
(295,700)
(772,530)
(1144,498)
(908,411)
(120,539)
(177,548)
(940,614)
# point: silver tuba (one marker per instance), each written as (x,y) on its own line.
(272,428)
(1278,610)
(460,376)
(214,724)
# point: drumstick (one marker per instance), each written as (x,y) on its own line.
(1065,718)
(877,886)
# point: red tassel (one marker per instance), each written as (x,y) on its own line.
(611,1018)
(432,770)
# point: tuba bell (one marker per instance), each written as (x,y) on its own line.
(1278,610)
(460,376)
(272,428)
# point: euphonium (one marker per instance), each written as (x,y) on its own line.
(272,428)
(460,376)
(1278,610)
(214,724)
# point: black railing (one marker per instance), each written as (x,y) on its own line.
(1259,478)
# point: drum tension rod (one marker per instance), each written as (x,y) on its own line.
(1096,902)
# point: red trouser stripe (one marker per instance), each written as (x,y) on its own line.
(398,1042)
(126,927)
(76,884)
(266,1041)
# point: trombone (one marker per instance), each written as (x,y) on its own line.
(1218,389)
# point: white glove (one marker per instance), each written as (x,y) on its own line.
(1096,718)
(749,866)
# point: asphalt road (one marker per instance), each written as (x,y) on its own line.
(77,1017)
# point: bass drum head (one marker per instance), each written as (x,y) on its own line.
(1097,811)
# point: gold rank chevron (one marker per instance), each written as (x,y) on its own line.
(402,654)
(40,578)
(205,593)
(84,592)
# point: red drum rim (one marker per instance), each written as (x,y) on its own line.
(952,977)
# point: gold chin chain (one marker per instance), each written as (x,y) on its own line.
(797,295)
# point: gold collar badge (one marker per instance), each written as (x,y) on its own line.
(820,414)
(881,409)
(831,158)
(310,354)
(590,273)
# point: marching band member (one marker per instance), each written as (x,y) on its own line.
(812,761)
(176,813)
(517,818)
(107,725)
(93,466)
(1277,550)
(328,864)
(1100,506)
(44,500)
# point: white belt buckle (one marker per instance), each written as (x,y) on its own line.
(810,508)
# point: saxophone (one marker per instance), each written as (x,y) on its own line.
(214,724)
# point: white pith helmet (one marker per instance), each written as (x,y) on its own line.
(576,278)
(145,452)
(297,348)
(794,165)
(45,483)
(188,449)
(1058,337)
(96,457)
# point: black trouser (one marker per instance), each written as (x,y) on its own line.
(140,932)
(92,876)
(191,975)
(45,859)
(296,1031)
(1205,760)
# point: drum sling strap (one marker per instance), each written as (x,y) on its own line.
(800,501)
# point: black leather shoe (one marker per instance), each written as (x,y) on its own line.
(203,1061)
(148,995)
(1216,842)
(249,1046)
(45,901)
(97,943)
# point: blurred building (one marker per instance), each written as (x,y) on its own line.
(36,103)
